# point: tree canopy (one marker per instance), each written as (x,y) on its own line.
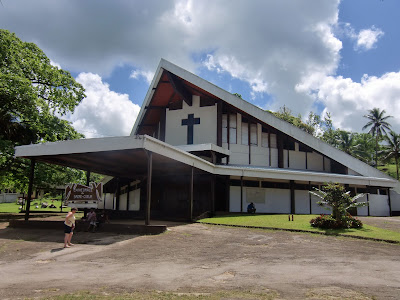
(33,96)
(378,126)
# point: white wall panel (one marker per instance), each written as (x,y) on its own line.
(259,156)
(239,154)
(274,158)
(274,143)
(316,209)
(276,201)
(234,199)
(205,132)
(245,133)
(314,162)
(378,205)
(362,211)
(297,160)
(302,202)
(264,139)
(134,200)
(108,200)
(395,200)
(122,201)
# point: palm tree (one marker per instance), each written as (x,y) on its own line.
(392,149)
(378,124)
(345,142)
(364,147)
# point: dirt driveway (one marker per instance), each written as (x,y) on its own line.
(198,258)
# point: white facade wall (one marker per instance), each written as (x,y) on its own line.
(378,205)
(239,154)
(134,200)
(315,162)
(302,202)
(234,199)
(395,200)
(316,209)
(274,200)
(259,156)
(123,201)
(9,197)
(205,132)
(362,211)
(108,201)
(297,160)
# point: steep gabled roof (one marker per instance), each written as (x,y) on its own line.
(208,89)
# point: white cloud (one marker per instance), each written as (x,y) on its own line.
(367,38)
(285,48)
(147,75)
(349,101)
(103,112)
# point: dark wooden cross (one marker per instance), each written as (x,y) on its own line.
(190,122)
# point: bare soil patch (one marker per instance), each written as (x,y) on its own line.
(198,259)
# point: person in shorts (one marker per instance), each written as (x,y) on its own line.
(69,225)
(92,219)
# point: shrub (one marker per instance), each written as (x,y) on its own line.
(327,222)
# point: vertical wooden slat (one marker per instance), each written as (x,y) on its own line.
(368,190)
(228,127)
(87,177)
(30,188)
(309,195)
(279,138)
(213,195)
(162,124)
(127,196)
(241,193)
(191,194)
(269,146)
(249,140)
(149,176)
(118,194)
(292,198)
(219,123)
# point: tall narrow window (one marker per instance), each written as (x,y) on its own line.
(232,129)
(224,128)
(245,132)
(273,141)
(264,138)
(253,135)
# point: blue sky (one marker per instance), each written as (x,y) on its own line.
(323,56)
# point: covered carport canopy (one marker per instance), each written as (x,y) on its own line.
(130,157)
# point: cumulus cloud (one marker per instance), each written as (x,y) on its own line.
(349,101)
(147,75)
(103,112)
(367,38)
(286,49)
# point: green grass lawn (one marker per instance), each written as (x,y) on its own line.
(14,208)
(389,169)
(301,222)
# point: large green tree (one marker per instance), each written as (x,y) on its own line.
(392,149)
(33,96)
(285,114)
(378,126)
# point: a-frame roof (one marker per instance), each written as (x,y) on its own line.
(179,83)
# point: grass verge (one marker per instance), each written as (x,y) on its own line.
(14,208)
(301,223)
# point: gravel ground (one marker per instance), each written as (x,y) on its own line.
(197,258)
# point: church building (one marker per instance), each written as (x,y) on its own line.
(196,148)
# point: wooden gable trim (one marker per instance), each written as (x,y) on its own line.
(179,88)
